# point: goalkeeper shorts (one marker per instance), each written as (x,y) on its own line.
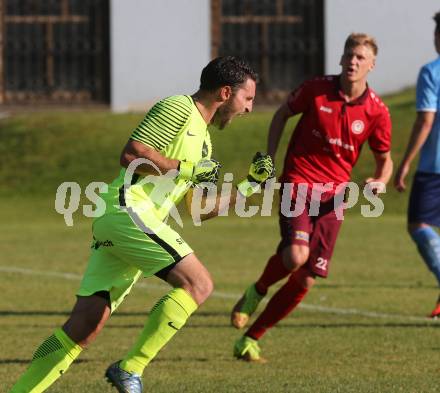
(125,247)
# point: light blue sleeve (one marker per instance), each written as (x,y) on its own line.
(427,91)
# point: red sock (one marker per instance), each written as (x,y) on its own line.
(279,306)
(273,272)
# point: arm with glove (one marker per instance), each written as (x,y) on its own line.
(260,170)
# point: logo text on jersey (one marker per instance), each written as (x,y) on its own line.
(98,243)
(338,142)
(326,109)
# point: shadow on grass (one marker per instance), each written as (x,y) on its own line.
(31,313)
(117,314)
(191,325)
(180,359)
(381,286)
(195,322)
(284,325)
(187,326)
(27,361)
(392,325)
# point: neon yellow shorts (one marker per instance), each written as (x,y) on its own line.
(125,247)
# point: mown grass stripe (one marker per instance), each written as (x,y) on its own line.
(225,295)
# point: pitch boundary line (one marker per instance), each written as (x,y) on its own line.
(224,295)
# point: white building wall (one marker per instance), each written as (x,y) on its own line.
(404,30)
(158,48)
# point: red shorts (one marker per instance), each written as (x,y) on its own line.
(318,232)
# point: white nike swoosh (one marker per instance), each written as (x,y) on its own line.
(189,133)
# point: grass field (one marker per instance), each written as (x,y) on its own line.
(361,330)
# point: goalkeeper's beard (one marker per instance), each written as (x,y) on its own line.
(223,115)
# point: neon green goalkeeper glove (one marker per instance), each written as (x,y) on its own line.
(261,169)
(204,171)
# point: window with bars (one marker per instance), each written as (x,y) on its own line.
(54,51)
(282,39)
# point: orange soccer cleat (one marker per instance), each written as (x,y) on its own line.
(436,312)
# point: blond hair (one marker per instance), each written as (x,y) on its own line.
(356,39)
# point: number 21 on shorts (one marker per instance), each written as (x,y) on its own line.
(321,263)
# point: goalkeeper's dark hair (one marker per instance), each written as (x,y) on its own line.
(226,71)
(436,18)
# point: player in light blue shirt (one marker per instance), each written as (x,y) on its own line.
(428,100)
(424,201)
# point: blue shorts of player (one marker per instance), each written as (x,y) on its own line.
(424,201)
(424,207)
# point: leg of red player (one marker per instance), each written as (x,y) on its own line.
(282,302)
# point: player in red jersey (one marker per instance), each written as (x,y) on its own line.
(339,114)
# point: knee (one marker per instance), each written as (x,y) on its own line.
(412,227)
(200,289)
(295,257)
(206,288)
(191,275)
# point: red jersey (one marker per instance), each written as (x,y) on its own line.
(328,138)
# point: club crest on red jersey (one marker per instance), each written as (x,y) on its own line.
(357,127)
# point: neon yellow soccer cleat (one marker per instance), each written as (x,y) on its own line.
(247,349)
(245,307)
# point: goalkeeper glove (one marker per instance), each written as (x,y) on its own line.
(261,169)
(204,171)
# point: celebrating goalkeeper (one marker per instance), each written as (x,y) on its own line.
(131,240)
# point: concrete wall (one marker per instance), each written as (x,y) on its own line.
(403,28)
(158,48)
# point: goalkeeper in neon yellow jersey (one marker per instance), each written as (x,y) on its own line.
(168,152)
